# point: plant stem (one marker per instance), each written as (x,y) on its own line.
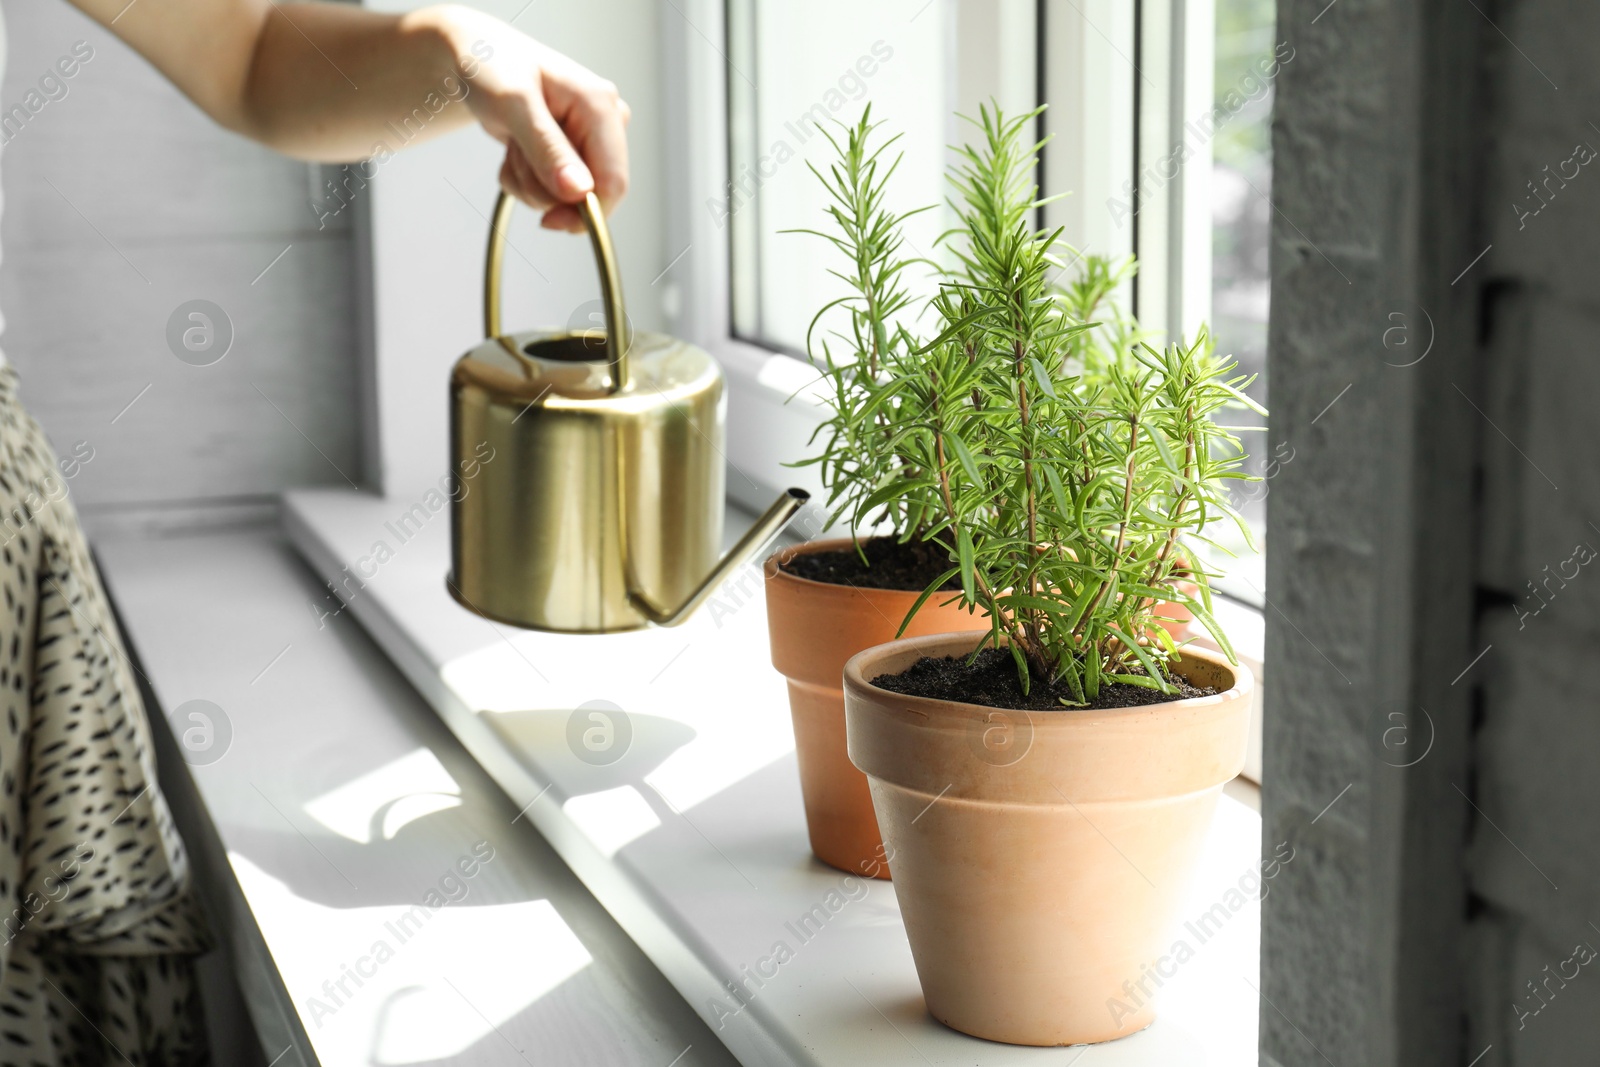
(1020,354)
(1190,461)
(1122,527)
(1015,633)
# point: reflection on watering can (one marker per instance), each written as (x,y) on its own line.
(603,509)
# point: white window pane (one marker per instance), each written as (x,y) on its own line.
(798,65)
(1241,216)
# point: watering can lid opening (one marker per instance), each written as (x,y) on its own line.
(582,346)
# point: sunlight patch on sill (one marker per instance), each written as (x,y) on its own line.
(613,818)
(685,692)
(381,802)
(404,982)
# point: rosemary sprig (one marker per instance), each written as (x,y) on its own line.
(860,464)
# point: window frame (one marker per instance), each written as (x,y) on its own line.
(765,427)
(1176,49)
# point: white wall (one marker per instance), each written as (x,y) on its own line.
(122,201)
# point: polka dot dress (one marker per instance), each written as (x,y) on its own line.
(98,932)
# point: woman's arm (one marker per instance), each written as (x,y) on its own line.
(334,82)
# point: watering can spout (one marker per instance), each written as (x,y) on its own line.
(767,527)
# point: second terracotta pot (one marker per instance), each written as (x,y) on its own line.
(1040,857)
(815,628)
(1175,617)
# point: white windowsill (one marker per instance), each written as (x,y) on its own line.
(324,808)
(695,840)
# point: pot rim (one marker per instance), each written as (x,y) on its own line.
(934,709)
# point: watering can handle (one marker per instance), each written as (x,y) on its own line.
(618,335)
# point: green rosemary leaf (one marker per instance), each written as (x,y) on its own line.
(964,550)
(1144,659)
(1057,492)
(1029,602)
(1241,398)
(1140,680)
(1215,631)
(964,456)
(933,587)
(1042,376)
(1159,439)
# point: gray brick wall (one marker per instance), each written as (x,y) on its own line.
(1372,530)
(1406,534)
(1533,860)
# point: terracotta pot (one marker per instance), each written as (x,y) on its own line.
(816,627)
(1039,857)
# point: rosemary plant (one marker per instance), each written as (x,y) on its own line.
(1065,471)
(1057,458)
(861,468)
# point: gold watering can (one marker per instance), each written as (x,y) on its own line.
(601,506)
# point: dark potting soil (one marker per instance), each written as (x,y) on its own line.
(890,565)
(991,680)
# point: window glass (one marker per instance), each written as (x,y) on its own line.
(796,69)
(795,66)
(1241,216)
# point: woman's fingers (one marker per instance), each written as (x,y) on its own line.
(595,119)
(563,217)
(565,129)
(555,163)
(518,179)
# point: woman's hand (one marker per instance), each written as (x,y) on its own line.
(329,82)
(564,127)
